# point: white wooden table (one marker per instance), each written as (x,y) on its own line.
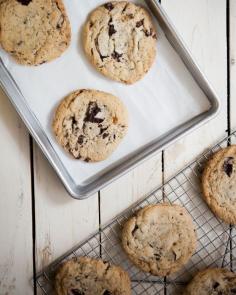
(39,221)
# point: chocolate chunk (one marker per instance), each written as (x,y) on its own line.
(116,55)
(215,285)
(111,30)
(130,15)
(233,290)
(124,9)
(76,292)
(106,292)
(139,23)
(87,159)
(228,166)
(24,2)
(114,136)
(150,245)
(105,135)
(102,129)
(134,230)
(80,139)
(149,33)
(19,43)
(157,256)
(109,6)
(91,113)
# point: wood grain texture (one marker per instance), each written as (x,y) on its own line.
(130,188)
(233,63)
(61,222)
(204,32)
(16,258)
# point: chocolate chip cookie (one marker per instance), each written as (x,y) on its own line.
(86,276)
(120,41)
(219,184)
(215,281)
(90,124)
(160,238)
(34,31)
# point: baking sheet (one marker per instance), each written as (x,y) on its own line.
(165,98)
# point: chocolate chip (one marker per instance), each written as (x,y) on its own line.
(150,245)
(106,292)
(76,292)
(149,33)
(116,55)
(102,129)
(80,139)
(24,2)
(91,113)
(111,30)
(109,6)
(139,23)
(215,285)
(157,256)
(19,43)
(124,9)
(228,166)
(233,291)
(87,159)
(105,135)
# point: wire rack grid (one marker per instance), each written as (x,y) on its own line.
(216,245)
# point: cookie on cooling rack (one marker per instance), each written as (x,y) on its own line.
(120,41)
(90,124)
(87,276)
(215,281)
(160,238)
(219,184)
(34,31)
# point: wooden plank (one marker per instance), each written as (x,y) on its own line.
(130,188)
(61,222)
(16,258)
(233,62)
(204,32)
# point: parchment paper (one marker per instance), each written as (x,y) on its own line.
(166,97)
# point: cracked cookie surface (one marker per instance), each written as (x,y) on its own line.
(87,276)
(90,124)
(34,31)
(219,184)
(215,281)
(120,41)
(160,238)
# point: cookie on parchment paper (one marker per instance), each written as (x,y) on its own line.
(219,184)
(90,124)
(216,281)
(120,41)
(87,276)
(160,238)
(34,31)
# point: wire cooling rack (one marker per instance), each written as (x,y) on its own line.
(216,245)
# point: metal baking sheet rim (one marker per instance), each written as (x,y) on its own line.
(81,192)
